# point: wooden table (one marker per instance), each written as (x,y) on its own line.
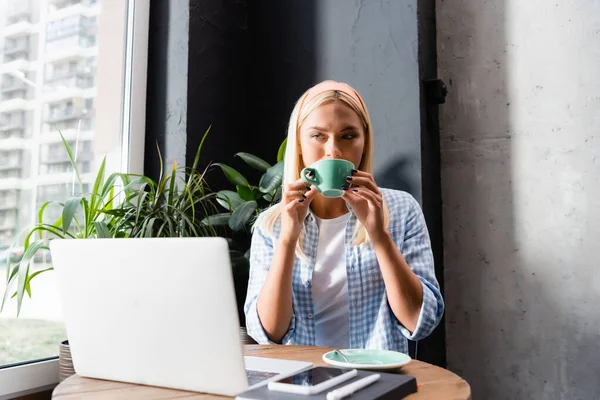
(434,382)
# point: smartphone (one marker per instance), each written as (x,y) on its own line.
(313,381)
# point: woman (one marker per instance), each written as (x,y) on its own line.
(348,272)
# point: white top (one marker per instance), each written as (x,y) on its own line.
(330,286)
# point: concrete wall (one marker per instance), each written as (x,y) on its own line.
(521,195)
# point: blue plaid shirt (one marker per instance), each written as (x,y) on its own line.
(372,323)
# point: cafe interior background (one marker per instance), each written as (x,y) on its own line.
(486,112)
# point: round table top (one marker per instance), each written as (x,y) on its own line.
(433,382)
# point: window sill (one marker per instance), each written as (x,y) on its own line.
(29,378)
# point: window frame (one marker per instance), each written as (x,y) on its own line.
(39,375)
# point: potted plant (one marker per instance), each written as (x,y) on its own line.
(242,206)
(118,206)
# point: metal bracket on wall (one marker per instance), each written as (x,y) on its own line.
(435,90)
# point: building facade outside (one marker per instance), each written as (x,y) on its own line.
(47,85)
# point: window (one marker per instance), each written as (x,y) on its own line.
(87,54)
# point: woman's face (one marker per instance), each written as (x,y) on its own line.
(332,130)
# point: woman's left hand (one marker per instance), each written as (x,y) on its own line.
(367,203)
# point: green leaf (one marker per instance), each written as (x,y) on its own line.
(160,161)
(72,160)
(281,152)
(24,270)
(272,179)
(241,216)
(254,161)
(98,183)
(41,216)
(274,197)
(149,227)
(197,157)
(229,199)
(36,273)
(277,197)
(102,230)
(216,219)
(246,193)
(69,210)
(232,175)
(172,183)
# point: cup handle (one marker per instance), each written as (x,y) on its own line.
(306,178)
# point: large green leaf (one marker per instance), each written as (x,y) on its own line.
(69,210)
(281,152)
(58,223)
(272,179)
(254,161)
(229,199)
(23,275)
(216,219)
(241,216)
(102,230)
(247,194)
(275,197)
(72,160)
(96,199)
(232,175)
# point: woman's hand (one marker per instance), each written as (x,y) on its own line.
(295,201)
(367,203)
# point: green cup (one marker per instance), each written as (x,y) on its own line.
(328,176)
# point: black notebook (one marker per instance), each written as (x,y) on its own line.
(389,386)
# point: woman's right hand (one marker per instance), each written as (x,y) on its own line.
(295,201)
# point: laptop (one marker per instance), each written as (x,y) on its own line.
(159,312)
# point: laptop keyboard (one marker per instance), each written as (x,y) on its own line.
(255,377)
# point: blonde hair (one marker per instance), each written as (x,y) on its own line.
(293,164)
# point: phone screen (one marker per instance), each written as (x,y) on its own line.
(313,376)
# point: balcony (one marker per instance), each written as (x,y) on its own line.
(11,184)
(13,143)
(60,4)
(76,52)
(8,224)
(8,87)
(52,136)
(16,48)
(11,172)
(17,65)
(69,74)
(12,164)
(66,8)
(13,105)
(63,93)
(62,157)
(65,115)
(9,204)
(18,29)
(12,126)
(18,17)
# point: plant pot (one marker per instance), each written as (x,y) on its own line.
(65,362)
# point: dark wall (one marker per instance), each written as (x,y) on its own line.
(248,63)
